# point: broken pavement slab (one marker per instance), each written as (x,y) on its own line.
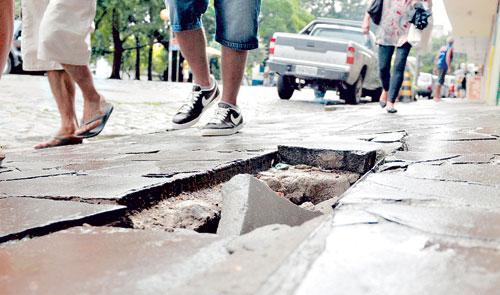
(478,174)
(106,260)
(355,160)
(387,258)
(396,187)
(248,204)
(81,187)
(23,217)
(467,223)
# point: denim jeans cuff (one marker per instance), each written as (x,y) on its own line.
(237,45)
(187,27)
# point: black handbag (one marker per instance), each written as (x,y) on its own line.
(421,17)
(375,11)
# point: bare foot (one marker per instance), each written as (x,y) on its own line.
(2,156)
(59,141)
(91,111)
(64,137)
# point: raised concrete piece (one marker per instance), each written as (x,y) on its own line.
(359,161)
(249,203)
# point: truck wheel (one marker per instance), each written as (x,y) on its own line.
(285,87)
(352,93)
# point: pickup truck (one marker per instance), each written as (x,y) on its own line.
(328,54)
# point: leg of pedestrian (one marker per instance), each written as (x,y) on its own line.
(237,35)
(385,57)
(187,26)
(63,36)
(193,46)
(398,75)
(95,108)
(6,28)
(63,89)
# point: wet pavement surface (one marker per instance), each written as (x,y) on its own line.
(423,221)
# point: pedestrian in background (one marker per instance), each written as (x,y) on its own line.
(6,33)
(443,66)
(56,39)
(237,26)
(392,36)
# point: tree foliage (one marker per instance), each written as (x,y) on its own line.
(130,34)
(344,9)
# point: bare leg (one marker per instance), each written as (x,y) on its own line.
(437,95)
(63,89)
(193,46)
(6,30)
(94,103)
(384,96)
(233,69)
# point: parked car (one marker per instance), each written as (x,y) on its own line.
(15,62)
(425,85)
(328,54)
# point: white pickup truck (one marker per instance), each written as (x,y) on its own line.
(328,54)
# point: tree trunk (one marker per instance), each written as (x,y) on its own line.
(150,60)
(137,58)
(118,47)
(151,43)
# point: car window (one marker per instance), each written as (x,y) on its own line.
(341,34)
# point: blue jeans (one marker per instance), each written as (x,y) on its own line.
(393,84)
(237,20)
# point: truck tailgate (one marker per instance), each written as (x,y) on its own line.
(310,50)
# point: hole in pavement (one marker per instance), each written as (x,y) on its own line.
(309,187)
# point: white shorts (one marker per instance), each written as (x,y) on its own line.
(56,32)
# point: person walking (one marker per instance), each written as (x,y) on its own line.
(443,66)
(237,26)
(6,34)
(392,36)
(56,39)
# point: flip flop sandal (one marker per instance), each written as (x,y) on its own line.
(97,130)
(62,141)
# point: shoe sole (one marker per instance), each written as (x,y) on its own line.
(221,132)
(190,124)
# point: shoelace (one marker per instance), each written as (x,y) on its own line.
(189,105)
(220,115)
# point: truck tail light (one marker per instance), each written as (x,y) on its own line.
(351,53)
(272,44)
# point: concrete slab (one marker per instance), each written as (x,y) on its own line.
(390,137)
(27,216)
(254,258)
(248,204)
(390,259)
(463,147)
(87,260)
(396,188)
(481,174)
(78,187)
(468,223)
(356,160)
